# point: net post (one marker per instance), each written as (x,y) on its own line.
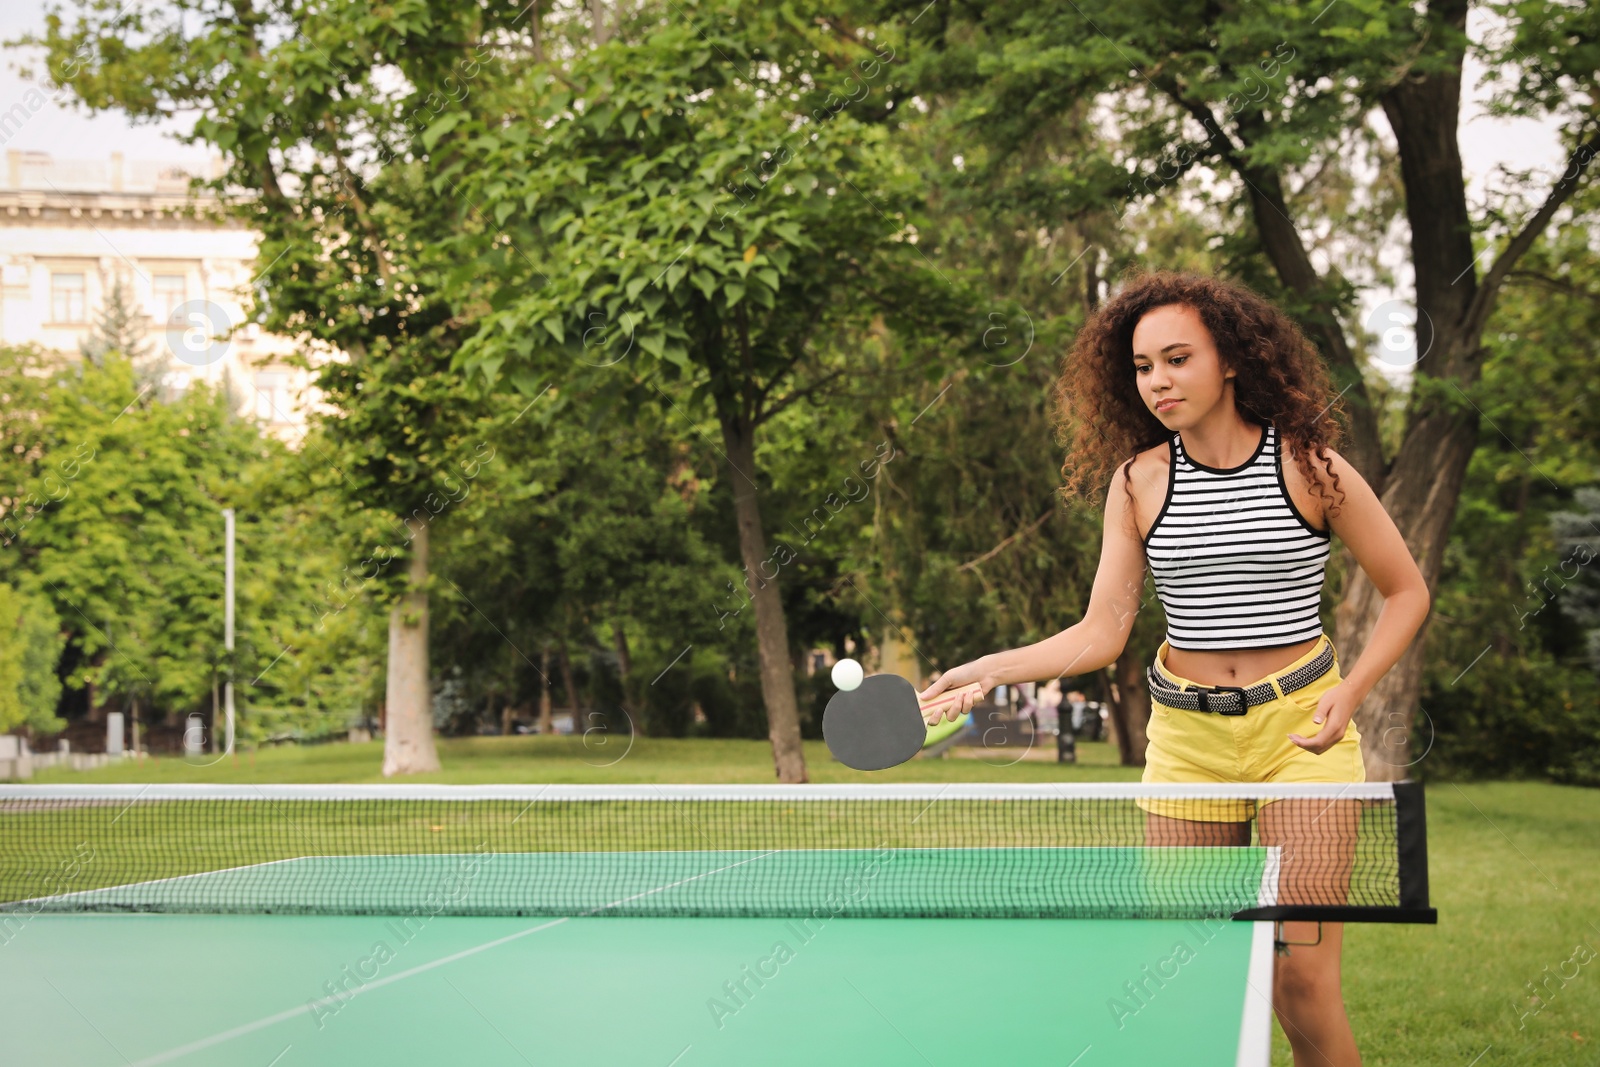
(1411,837)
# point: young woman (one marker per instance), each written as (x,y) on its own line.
(1206,406)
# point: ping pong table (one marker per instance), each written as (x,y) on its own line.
(230,990)
(639,955)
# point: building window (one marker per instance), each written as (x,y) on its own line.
(272,401)
(167,292)
(68,298)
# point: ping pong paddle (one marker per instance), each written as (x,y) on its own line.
(880,723)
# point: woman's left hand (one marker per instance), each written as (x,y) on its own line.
(1335,708)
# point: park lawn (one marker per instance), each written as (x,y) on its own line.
(598,760)
(1515,869)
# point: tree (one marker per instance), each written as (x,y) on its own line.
(117,328)
(30,647)
(123,549)
(1580,598)
(703,223)
(1509,689)
(323,159)
(115,522)
(28,383)
(1275,99)
(580,541)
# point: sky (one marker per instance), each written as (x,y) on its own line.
(61,130)
(69,133)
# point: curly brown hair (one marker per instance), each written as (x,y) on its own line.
(1280,378)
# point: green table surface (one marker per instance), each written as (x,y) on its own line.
(254,991)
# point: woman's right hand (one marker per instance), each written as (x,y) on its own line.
(955,678)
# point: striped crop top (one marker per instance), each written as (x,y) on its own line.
(1235,563)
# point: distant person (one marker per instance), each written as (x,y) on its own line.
(1095,720)
(1050,696)
(1079,704)
(1027,707)
(1066,745)
(1048,715)
(1028,703)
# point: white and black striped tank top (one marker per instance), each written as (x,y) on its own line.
(1235,563)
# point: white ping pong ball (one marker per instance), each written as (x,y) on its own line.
(847,674)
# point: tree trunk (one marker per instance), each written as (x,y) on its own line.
(408,724)
(1112,734)
(624,660)
(1091,285)
(566,680)
(1291,260)
(546,723)
(1129,703)
(1420,489)
(597,12)
(1421,496)
(772,632)
(1423,486)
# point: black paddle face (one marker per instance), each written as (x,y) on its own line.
(878,724)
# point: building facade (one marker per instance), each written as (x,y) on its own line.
(71,231)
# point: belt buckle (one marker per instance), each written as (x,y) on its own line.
(1200,695)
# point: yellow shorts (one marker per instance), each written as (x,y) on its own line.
(1195,746)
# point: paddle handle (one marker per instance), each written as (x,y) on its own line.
(948,697)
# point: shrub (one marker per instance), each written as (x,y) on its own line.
(1524,718)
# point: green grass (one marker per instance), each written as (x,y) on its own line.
(498,760)
(1514,870)
(1515,873)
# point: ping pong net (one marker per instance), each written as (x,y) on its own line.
(1346,852)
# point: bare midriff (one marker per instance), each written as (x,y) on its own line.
(1233,666)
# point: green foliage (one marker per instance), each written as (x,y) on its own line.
(1575,582)
(732,706)
(30,648)
(130,552)
(812,219)
(1518,569)
(29,480)
(571,535)
(115,519)
(310,649)
(1522,717)
(309,120)
(1279,86)
(683,217)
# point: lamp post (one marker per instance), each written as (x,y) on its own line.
(227,626)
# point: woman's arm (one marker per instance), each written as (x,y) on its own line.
(1372,537)
(1085,646)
